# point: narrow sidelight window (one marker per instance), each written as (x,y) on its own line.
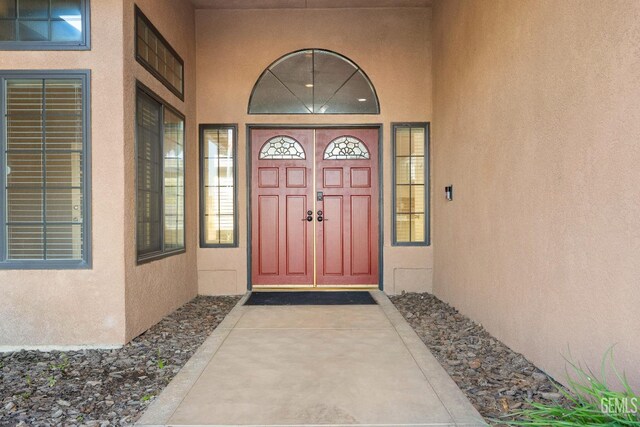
(44,24)
(160,177)
(411,184)
(218,195)
(44,200)
(156,54)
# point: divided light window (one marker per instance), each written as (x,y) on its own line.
(44,153)
(411,184)
(218,196)
(44,24)
(156,54)
(160,177)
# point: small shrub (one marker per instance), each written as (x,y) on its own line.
(592,402)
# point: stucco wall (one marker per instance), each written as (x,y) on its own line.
(536,125)
(40,308)
(393,46)
(156,288)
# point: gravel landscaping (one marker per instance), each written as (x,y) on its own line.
(496,379)
(104,387)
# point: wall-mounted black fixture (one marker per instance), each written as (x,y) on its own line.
(448,192)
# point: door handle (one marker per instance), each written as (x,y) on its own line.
(309,216)
(320,217)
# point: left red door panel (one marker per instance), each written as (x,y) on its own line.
(282,195)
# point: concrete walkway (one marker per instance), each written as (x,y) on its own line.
(313,366)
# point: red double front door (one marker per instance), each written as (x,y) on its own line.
(314,207)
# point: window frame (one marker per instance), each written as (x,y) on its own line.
(146,258)
(179,92)
(85,44)
(86,261)
(203,128)
(427,183)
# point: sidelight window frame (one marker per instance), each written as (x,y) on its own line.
(84,44)
(86,260)
(163,252)
(427,184)
(234,155)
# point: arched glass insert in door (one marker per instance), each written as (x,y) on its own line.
(346,148)
(313,81)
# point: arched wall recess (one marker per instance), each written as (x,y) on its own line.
(313,81)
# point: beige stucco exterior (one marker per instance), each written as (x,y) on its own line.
(80,307)
(235,46)
(534,119)
(155,289)
(536,124)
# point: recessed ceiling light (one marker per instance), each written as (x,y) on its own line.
(362,99)
(309,85)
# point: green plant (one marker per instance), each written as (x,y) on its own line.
(27,379)
(591,401)
(160,363)
(147,397)
(62,366)
(25,395)
(52,381)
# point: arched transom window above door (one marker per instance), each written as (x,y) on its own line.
(313,81)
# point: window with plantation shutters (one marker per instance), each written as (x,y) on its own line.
(411,184)
(218,191)
(44,158)
(160,177)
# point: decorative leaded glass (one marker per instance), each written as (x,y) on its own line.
(282,148)
(346,148)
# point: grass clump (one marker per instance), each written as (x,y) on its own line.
(592,402)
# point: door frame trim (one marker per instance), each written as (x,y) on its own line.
(249,189)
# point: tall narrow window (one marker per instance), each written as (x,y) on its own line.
(44,24)
(156,54)
(44,205)
(160,177)
(411,184)
(218,197)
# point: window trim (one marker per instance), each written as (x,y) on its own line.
(86,261)
(427,183)
(203,128)
(179,92)
(163,253)
(85,44)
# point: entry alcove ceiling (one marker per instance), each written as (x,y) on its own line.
(306,4)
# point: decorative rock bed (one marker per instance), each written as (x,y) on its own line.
(104,387)
(496,379)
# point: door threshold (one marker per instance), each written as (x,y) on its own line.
(298,288)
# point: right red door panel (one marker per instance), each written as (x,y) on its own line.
(347,236)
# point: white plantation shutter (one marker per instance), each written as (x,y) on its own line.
(173,181)
(218,195)
(44,182)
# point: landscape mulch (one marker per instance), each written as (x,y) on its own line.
(104,387)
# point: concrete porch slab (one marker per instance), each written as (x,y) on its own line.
(313,366)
